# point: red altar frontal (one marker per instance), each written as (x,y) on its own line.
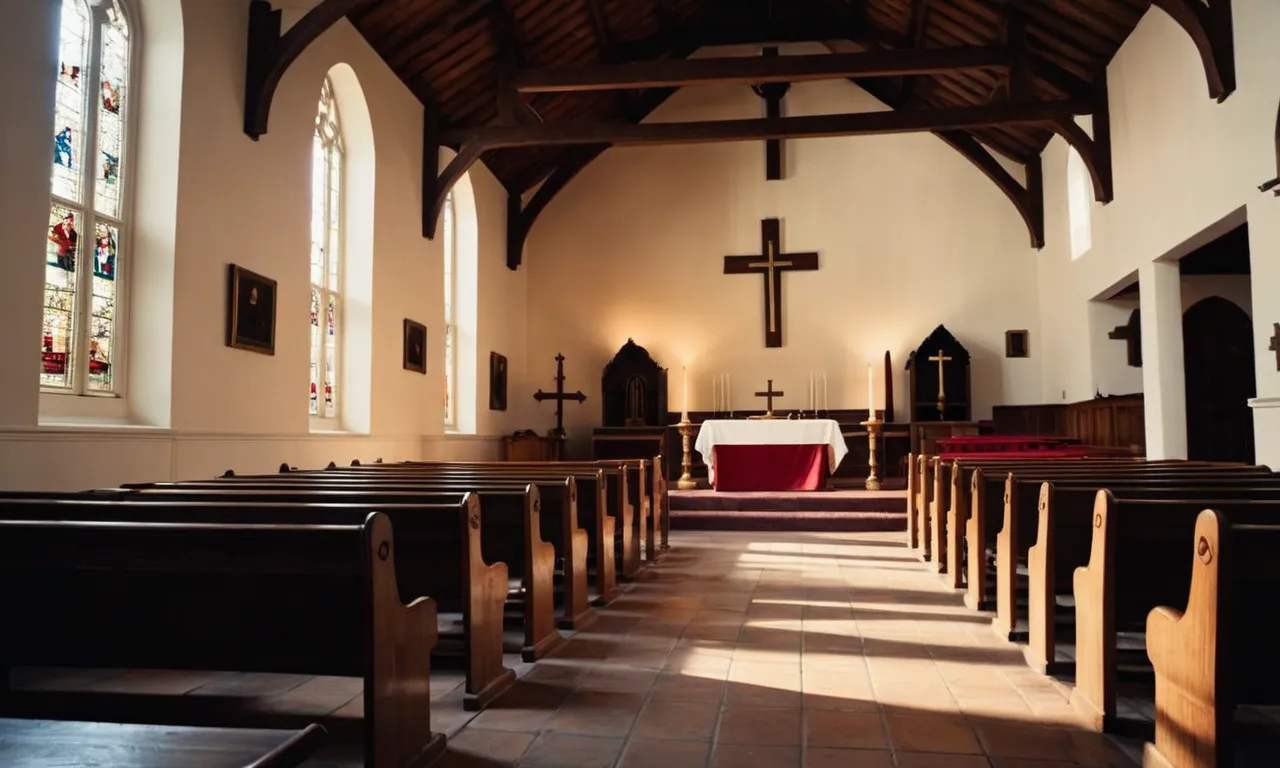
(771,455)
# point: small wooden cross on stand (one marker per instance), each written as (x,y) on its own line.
(559,396)
(769,394)
(771,265)
(942,390)
(1275,343)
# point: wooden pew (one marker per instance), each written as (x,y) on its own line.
(39,743)
(1137,562)
(1019,517)
(1220,652)
(987,505)
(511,532)
(627,546)
(306,599)
(1063,522)
(913,525)
(441,558)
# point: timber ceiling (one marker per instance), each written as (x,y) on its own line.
(459,55)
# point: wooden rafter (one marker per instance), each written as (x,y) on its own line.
(757,71)
(1028,199)
(1274,183)
(512,57)
(269,54)
(467,156)
(919,25)
(757,129)
(1095,151)
(1209,27)
(520,220)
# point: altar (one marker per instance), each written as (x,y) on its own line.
(770,454)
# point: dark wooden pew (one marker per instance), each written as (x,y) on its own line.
(43,743)
(441,558)
(1137,562)
(987,509)
(304,599)
(645,493)
(512,530)
(620,506)
(1060,516)
(1221,651)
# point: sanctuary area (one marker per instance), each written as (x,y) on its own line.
(620,383)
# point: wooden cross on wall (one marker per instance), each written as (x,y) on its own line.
(772,94)
(771,265)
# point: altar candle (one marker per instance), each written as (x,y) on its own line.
(826,402)
(811,391)
(871,392)
(684,397)
(728,394)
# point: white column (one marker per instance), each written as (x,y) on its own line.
(1164,379)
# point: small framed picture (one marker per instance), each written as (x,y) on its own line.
(251,311)
(1016,344)
(415,346)
(497,382)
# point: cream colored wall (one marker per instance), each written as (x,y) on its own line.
(245,202)
(909,235)
(1183,164)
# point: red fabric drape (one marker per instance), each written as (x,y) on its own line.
(770,467)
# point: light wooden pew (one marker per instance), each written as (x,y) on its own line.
(1137,562)
(1221,651)
(1063,514)
(303,599)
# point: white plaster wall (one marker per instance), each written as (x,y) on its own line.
(909,235)
(1183,163)
(245,202)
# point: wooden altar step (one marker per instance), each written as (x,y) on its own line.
(838,510)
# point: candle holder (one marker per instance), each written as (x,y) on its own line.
(873,426)
(686,481)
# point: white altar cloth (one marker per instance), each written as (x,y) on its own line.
(715,432)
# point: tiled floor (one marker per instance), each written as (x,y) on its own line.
(783,650)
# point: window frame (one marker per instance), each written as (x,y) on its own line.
(449,227)
(318,421)
(90,216)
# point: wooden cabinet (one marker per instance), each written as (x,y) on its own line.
(530,446)
(1117,421)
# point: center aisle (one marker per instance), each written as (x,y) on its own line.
(782,650)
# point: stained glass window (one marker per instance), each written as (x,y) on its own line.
(87,234)
(327,158)
(449,241)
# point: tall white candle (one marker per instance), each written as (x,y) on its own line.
(826,402)
(811,392)
(728,394)
(871,392)
(684,397)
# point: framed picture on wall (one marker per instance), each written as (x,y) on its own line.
(1016,344)
(251,311)
(497,382)
(415,346)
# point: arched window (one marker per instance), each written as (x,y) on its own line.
(1079,202)
(88,218)
(450,241)
(327,159)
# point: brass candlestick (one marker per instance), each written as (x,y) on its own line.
(686,481)
(873,426)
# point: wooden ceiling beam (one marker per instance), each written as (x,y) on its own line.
(1095,151)
(269,53)
(1028,199)
(1209,27)
(756,71)
(757,129)
(512,57)
(520,218)
(919,24)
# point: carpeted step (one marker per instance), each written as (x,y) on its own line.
(786,520)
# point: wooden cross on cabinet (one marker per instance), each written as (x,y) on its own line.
(769,394)
(1275,343)
(942,390)
(771,265)
(772,94)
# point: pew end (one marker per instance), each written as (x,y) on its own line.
(1041,651)
(975,596)
(913,532)
(486,591)
(1094,694)
(957,521)
(541,634)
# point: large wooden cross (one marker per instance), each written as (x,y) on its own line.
(771,265)
(559,396)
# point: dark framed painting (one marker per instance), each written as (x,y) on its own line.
(251,311)
(1016,344)
(415,346)
(497,382)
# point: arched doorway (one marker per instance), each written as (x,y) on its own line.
(1217,338)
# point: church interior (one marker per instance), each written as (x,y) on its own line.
(740,383)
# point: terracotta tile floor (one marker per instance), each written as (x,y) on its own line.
(783,650)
